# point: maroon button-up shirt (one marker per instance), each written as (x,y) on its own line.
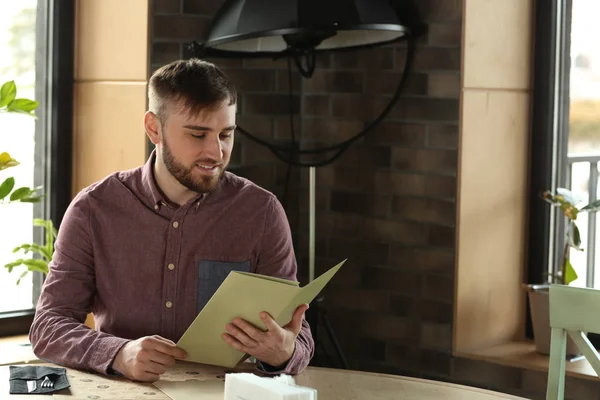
(145,267)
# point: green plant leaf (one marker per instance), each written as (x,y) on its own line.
(25,105)
(36,265)
(8,93)
(36,199)
(592,207)
(570,274)
(34,247)
(22,276)
(573,236)
(6,187)
(13,264)
(20,193)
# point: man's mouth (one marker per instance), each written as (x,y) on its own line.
(207,167)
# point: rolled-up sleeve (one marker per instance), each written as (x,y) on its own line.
(277,258)
(58,333)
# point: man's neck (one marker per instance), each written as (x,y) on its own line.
(170,187)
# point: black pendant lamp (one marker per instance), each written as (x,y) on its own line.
(303,28)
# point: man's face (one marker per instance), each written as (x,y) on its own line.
(196,148)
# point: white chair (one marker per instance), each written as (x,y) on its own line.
(574,312)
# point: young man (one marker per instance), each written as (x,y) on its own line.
(145,249)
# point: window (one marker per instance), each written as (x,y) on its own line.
(36,51)
(17,62)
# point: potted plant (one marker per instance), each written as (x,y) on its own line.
(568,203)
(10,193)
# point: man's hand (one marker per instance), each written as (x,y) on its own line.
(147,358)
(275,346)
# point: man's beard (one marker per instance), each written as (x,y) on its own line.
(201,184)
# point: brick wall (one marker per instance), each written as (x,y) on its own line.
(388,204)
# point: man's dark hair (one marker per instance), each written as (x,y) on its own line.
(192,83)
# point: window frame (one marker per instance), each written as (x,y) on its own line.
(55,21)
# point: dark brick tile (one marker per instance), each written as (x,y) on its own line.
(257,126)
(435,59)
(436,311)
(443,161)
(442,136)
(180,27)
(283,130)
(201,7)
(269,104)
(355,106)
(399,183)
(440,10)
(480,373)
(255,154)
(316,105)
(372,349)
(403,356)
(444,85)
(252,80)
(424,210)
(366,157)
(376,59)
(407,233)
(403,282)
(361,203)
(442,237)
(387,83)
(164,53)
(445,34)
(438,287)
(334,82)
(268,63)
(443,187)
(423,260)
(358,299)
(426,109)
(436,336)
(436,362)
(384,327)
(283,81)
(166,6)
(330,129)
(404,306)
(398,134)
(359,251)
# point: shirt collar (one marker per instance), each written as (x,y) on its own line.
(149,183)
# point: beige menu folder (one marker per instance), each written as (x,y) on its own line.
(245,295)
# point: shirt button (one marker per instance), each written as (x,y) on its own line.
(156,206)
(171,267)
(175,224)
(169,304)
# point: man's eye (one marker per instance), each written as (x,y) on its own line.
(198,136)
(226,135)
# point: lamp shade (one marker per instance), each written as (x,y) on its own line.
(247,28)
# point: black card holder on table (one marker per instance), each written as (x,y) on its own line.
(28,379)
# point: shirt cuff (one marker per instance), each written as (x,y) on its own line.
(284,369)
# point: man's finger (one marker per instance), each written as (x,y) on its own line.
(161,358)
(148,377)
(270,323)
(295,325)
(250,330)
(169,349)
(233,342)
(155,368)
(162,339)
(240,335)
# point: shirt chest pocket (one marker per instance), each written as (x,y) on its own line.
(212,273)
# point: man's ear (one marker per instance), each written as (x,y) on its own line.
(152,126)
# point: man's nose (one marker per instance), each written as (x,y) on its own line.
(214,149)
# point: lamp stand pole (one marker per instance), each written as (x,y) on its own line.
(311,222)
(316,315)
